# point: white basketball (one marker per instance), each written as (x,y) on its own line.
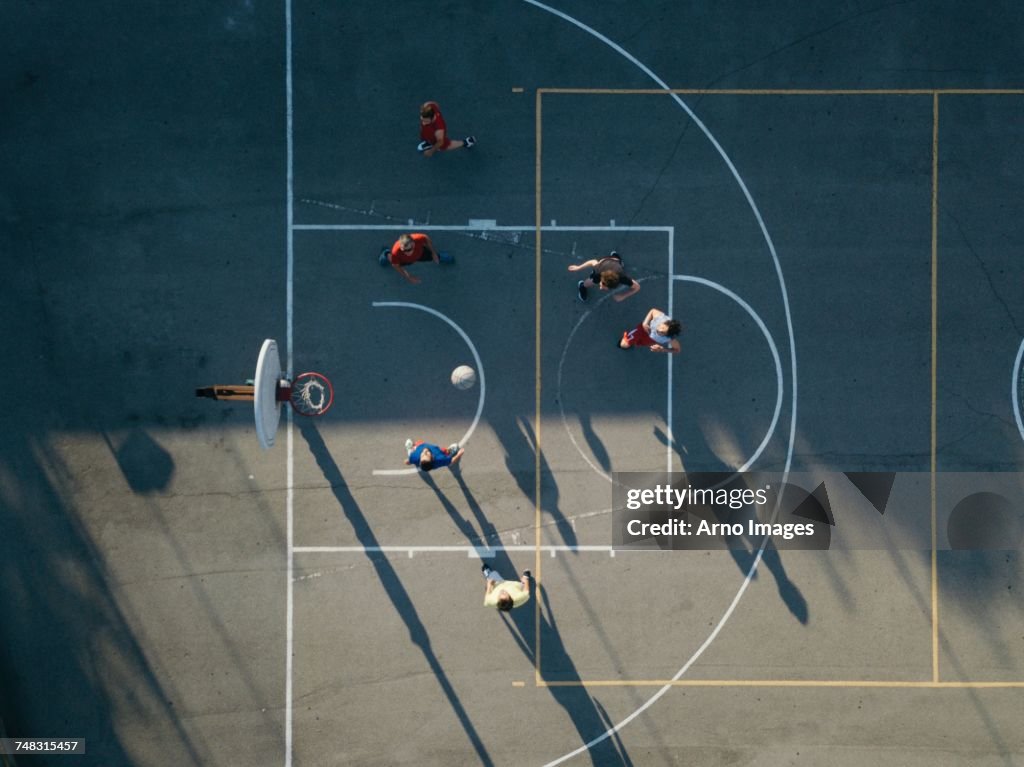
(463,377)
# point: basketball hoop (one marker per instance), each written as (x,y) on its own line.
(310,394)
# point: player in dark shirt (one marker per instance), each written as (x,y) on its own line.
(608,274)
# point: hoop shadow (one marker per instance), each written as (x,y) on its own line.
(50,634)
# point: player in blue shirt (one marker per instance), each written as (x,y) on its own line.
(428,457)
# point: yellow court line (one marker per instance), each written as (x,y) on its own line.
(935,364)
(806,683)
(537,404)
(786,91)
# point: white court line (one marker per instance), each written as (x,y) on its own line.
(479,370)
(472,551)
(468,228)
(1015,390)
(669,436)
(289,303)
(792,354)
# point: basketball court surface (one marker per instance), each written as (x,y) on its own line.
(826,198)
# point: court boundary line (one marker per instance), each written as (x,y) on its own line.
(826,683)
(785,91)
(466,548)
(290,439)
(292,227)
(537,484)
(477,228)
(934,388)
(670,439)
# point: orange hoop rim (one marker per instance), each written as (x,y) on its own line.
(295,394)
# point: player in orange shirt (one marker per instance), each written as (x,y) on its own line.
(434,132)
(410,248)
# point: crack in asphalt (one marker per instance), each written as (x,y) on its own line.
(712,82)
(809,36)
(985,271)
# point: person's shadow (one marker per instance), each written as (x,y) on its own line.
(595,444)
(743,550)
(485,535)
(520,444)
(586,713)
(388,578)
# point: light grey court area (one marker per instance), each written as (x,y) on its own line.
(830,206)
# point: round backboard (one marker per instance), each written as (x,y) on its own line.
(268,409)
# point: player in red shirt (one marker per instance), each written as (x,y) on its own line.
(410,248)
(434,132)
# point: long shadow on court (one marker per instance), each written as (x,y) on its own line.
(586,713)
(488,534)
(743,549)
(389,579)
(788,591)
(520,444)
(63,630)
(597,448)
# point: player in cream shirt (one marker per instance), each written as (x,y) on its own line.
(505,594)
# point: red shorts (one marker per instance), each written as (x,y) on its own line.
(639,336)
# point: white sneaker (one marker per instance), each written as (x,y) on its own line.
(453,448)
(470,142)
(408,446)
(424,146)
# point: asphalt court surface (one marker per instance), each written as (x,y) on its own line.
(609,430)
(232,605)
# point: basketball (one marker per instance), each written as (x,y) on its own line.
(463,377)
